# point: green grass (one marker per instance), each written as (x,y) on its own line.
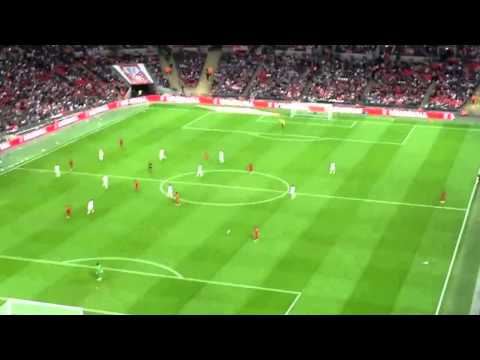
(352,243)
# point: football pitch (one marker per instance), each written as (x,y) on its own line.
(371,239)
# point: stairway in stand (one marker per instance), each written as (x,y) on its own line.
(173,78)
(204,87)
(430,91)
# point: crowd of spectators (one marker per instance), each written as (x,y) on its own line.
(39,82)
(281,77)
(234,73)
(456,84)
(340,81)
(396,83)
(190,65)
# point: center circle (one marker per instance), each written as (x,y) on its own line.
(213,203)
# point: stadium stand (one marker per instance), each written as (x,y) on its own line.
(37,82)
(190,65)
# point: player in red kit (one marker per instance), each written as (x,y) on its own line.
(256,233)
(205,156)
(250,168)
(443,197)
(120,142)
(71,164)
(68,212)
(177,199)
(136,185)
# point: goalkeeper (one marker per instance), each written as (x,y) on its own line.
(99,272)
(283,123)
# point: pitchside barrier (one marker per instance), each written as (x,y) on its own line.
(62,121)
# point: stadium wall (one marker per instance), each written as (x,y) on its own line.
(61,122)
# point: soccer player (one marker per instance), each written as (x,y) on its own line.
(177,199)
(162,155)
(56,168)
(100,154)
(150,167)
(136,185)
(105,181)
(333,168)
(221,156)
(250,168)
(292,192)
(200,170)
(478,176)
(205,156)
(170,191)
(443,197)
(90,207)
(256,233)
(283,123)
(99,272)
(70,164)
(68,211)
(120,142)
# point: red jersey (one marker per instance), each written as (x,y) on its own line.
(443,197)
(250,167)
(70,163)
(136,184)
(256,233)
(68,212)
(177,198)
(120,142)
(205,155)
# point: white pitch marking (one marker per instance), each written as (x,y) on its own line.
(457,246)
(113,258)
(45,153)
(142,273)
(408,135)
(293,303)
(318,138)
(306,123)
(233,187)
(196,119)
(67,306)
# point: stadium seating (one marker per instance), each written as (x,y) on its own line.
(190,65)
(234,73)
(37,82)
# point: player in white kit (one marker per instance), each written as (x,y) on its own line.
(56,168)
(292,191)
(90,207)
(105,181)
(162,155)
(100,154)
(170,191)
(221,156)
(200,170)
(333,168)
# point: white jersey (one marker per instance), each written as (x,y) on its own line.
(200,170)
(105,181)
(90,207)
(100,155)
(56,168)
(292,191)
(162,155)
(170,191)
(333,166)
(221,157)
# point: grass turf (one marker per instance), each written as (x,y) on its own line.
(351,243)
